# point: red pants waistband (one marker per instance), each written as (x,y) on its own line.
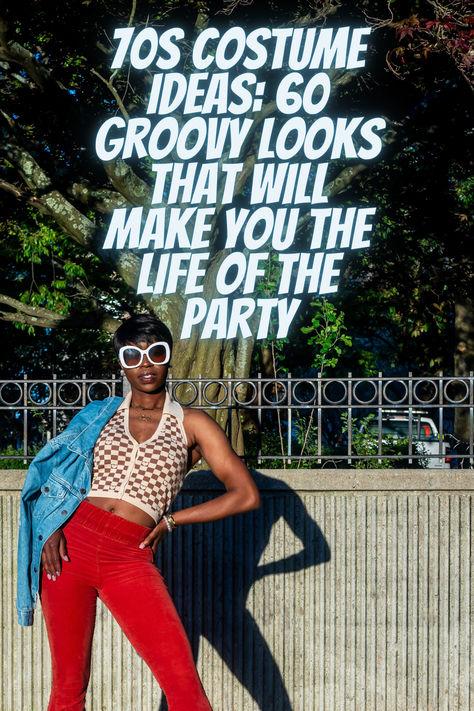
(108,524)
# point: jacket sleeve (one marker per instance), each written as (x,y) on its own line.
(37,473)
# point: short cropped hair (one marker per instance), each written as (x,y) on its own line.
(142,327)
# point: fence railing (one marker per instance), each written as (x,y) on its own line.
(34,410)
(362,422)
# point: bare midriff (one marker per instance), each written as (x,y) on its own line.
(123,509)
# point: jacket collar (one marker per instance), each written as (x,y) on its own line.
(84,445)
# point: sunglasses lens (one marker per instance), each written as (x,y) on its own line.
(131,357)
(157,353)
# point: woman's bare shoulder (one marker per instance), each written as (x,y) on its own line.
(195,416)
(199,424)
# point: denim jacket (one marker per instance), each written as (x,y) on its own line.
(57,480)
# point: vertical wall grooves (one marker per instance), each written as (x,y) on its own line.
(384,625)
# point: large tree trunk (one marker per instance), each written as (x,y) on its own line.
(220,360)
(209,358)
(463,360)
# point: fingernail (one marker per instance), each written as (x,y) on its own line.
(58,573)
(48,576)
(142,545)
(53,577)
(66,558)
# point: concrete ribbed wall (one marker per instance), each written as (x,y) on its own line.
(347,590)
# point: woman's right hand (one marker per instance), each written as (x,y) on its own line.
(53,550)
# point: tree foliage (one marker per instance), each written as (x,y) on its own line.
(57,87)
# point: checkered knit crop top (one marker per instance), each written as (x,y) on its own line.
(147,474)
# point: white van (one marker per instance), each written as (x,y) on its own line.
(426,438)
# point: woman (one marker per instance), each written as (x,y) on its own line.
(80,540)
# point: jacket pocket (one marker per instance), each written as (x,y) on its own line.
(52,493)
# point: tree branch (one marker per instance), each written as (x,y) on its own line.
(66,215)
(9,188)
(110,86)
(12,51)
(102,200)
(345,177)
(27,309)
(45,318)
(132,13)
(16,317)
(128,184)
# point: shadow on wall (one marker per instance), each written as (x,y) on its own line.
(219,564)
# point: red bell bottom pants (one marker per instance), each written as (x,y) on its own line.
(105,561)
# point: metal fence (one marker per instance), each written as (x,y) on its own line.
(317,422)
(34,410)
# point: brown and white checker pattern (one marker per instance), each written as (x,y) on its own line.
(149,474)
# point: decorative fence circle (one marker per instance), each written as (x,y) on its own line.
(453,382)
(218,384)
(422,383)
(311,400)
(4,388)
(364,383)
(390,384)
(40,394)
(65,393)
(96,386)
(184,384)
(336,383)
(278,387)
(235,393)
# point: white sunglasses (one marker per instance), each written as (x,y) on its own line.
(132,356)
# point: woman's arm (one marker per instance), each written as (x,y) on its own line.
(209,441)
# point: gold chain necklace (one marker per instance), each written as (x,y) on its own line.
(142,416)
